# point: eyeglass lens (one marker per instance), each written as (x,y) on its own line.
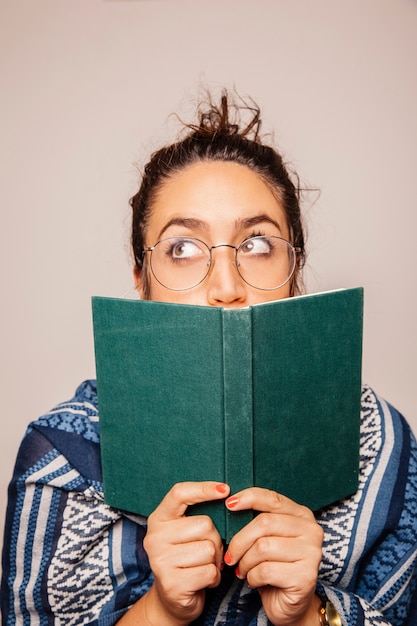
(264,262)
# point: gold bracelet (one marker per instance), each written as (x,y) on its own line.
(328,615)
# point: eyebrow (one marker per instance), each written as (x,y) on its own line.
(187,222)
(240,224)
(250,222)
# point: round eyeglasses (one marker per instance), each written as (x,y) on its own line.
(263,262)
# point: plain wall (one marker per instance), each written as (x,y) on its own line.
(87,87)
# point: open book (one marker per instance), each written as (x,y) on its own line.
(267,395)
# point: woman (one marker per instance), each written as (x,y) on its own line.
(209,202)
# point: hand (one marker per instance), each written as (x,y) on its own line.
(185,553)
(279,553)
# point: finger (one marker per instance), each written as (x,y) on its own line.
(266,500)
(274,549)
(296,577)
(182,495)
(185,529)
(194,554)
(178,535)
(197,578)
(304,552)
(295,534)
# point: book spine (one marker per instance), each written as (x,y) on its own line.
(238,408)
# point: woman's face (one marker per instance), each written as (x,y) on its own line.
(216,202)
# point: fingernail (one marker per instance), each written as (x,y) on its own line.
(221,567)
(221,488)
(237,573)
(228,558)
(231,502)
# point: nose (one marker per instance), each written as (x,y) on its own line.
(225,287)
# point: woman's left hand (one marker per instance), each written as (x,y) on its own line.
(279,553)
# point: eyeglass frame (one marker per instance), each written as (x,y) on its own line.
(295,250)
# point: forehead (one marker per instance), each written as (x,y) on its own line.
(216,192)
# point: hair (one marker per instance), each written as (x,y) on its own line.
(220,135)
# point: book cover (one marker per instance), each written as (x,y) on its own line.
(267,395)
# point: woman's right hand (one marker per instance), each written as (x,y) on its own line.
(185,554)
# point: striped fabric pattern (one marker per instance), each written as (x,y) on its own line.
(69,559)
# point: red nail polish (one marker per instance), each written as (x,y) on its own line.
(228,558)
(237,573)
(221,488)
(231,502)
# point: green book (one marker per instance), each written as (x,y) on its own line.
(267,395)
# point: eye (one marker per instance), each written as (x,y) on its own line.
(256,245)
(184,249)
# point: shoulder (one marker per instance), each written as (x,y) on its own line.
(384,430)
(69,432)
(78,415)
(388,464)
(378,520)
(388,450)
(387,478)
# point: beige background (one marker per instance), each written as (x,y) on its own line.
(86,90)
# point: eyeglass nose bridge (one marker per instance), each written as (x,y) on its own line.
(223,245)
